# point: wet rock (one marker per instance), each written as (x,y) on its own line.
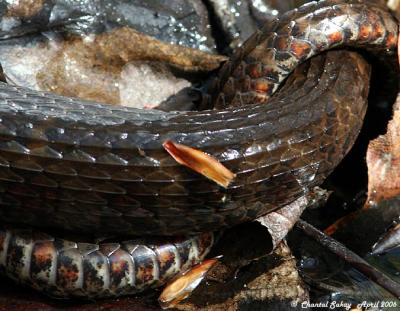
(158,77)
(178,21)
(388,241)
(237,20)
(132,53)
(104,67)
(24,9)
(333,281)
(368,225)
(264,11)
(233,20)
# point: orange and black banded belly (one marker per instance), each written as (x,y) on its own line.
(67,269)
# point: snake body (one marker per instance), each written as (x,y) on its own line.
(101,170)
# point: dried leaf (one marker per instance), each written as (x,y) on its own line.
(383,160)
(280,222)
(200,162)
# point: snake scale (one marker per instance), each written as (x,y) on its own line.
(99,170)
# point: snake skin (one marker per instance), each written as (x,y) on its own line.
(256,70)
(69,269)
(100,170)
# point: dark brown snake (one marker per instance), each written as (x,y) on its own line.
(101,170)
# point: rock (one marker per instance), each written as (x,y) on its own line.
(178,21)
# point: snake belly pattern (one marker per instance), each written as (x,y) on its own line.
(101,170)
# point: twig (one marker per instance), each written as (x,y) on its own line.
(350,257)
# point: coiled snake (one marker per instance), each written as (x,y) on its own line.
(101,170)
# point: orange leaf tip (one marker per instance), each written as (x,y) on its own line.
(183,285)
(200,162)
